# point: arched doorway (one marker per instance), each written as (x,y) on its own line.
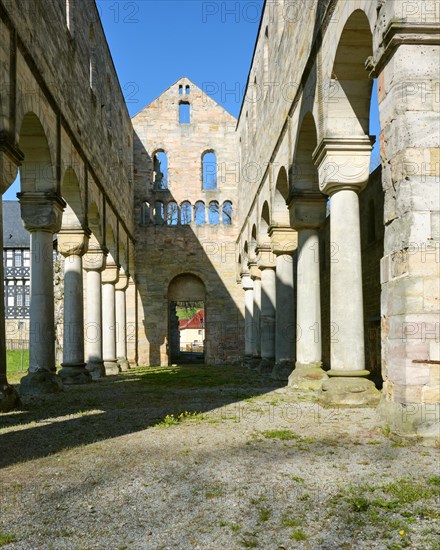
(186,319)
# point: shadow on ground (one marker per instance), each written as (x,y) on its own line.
(120,405)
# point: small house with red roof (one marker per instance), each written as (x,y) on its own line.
(192,332)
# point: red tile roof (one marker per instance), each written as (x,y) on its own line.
(197,322)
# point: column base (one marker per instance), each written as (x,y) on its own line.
(96,369)
(73,375)
(252,362)
(41,382)
(9,398)
(308,376)
(282,370)
(111,368)
(266,366)
(416,421)
(349,391)
(123,364)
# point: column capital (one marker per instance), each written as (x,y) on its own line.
(110,275)
(284,240)
(41,211)
(254,271)
(246,281)
(343,163)
(73,242)
(95,259)
(122,283)
(307,210)
(11,158)
(265,259)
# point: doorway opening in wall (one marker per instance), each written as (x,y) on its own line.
(187,332)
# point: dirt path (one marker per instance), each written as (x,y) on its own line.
(247,465)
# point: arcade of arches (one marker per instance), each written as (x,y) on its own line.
(320,271)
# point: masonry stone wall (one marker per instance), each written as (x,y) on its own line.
(167,250)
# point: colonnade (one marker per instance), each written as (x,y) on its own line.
(283,325)
(94,341)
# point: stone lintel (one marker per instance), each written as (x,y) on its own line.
(73,242)
(284,240)
(41,211)
(307,210)
(343,163)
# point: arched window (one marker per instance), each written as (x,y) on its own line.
(185,213)
(92,53)
(159,212)
(180,89)
(209,170)
(266,55)
(160,176)
(227,213)
(184,113)
(199,213)
(172,213)
(187,90)
(213,213)
(145,213)
(69,15)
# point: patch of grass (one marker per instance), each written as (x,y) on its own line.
(297,479)
(17,361)
(284,435)
(7,538)
(264,514)
(434,480)
(408,491)
(288,521)
(298,534)
(249,540)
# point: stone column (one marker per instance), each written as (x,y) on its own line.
(266,264)
(42,215)
(94,264)
(10,159)
(109,278)
(307,215)
(256,314)
(121,321)
(343,166)
(72,244)
(248,287)
(284,244)
(131,298)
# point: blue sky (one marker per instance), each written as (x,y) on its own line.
(155,42)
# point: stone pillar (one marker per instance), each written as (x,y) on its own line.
(266,264)
(72,244)
(307,215)
(408,89)
(42,215)
(256,314)
(131,298)
(121,321)
(343,166)
(93,264)
(284,244)
(109,278)
(248,287)
(10,159)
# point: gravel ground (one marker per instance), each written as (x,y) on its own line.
(247,465)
